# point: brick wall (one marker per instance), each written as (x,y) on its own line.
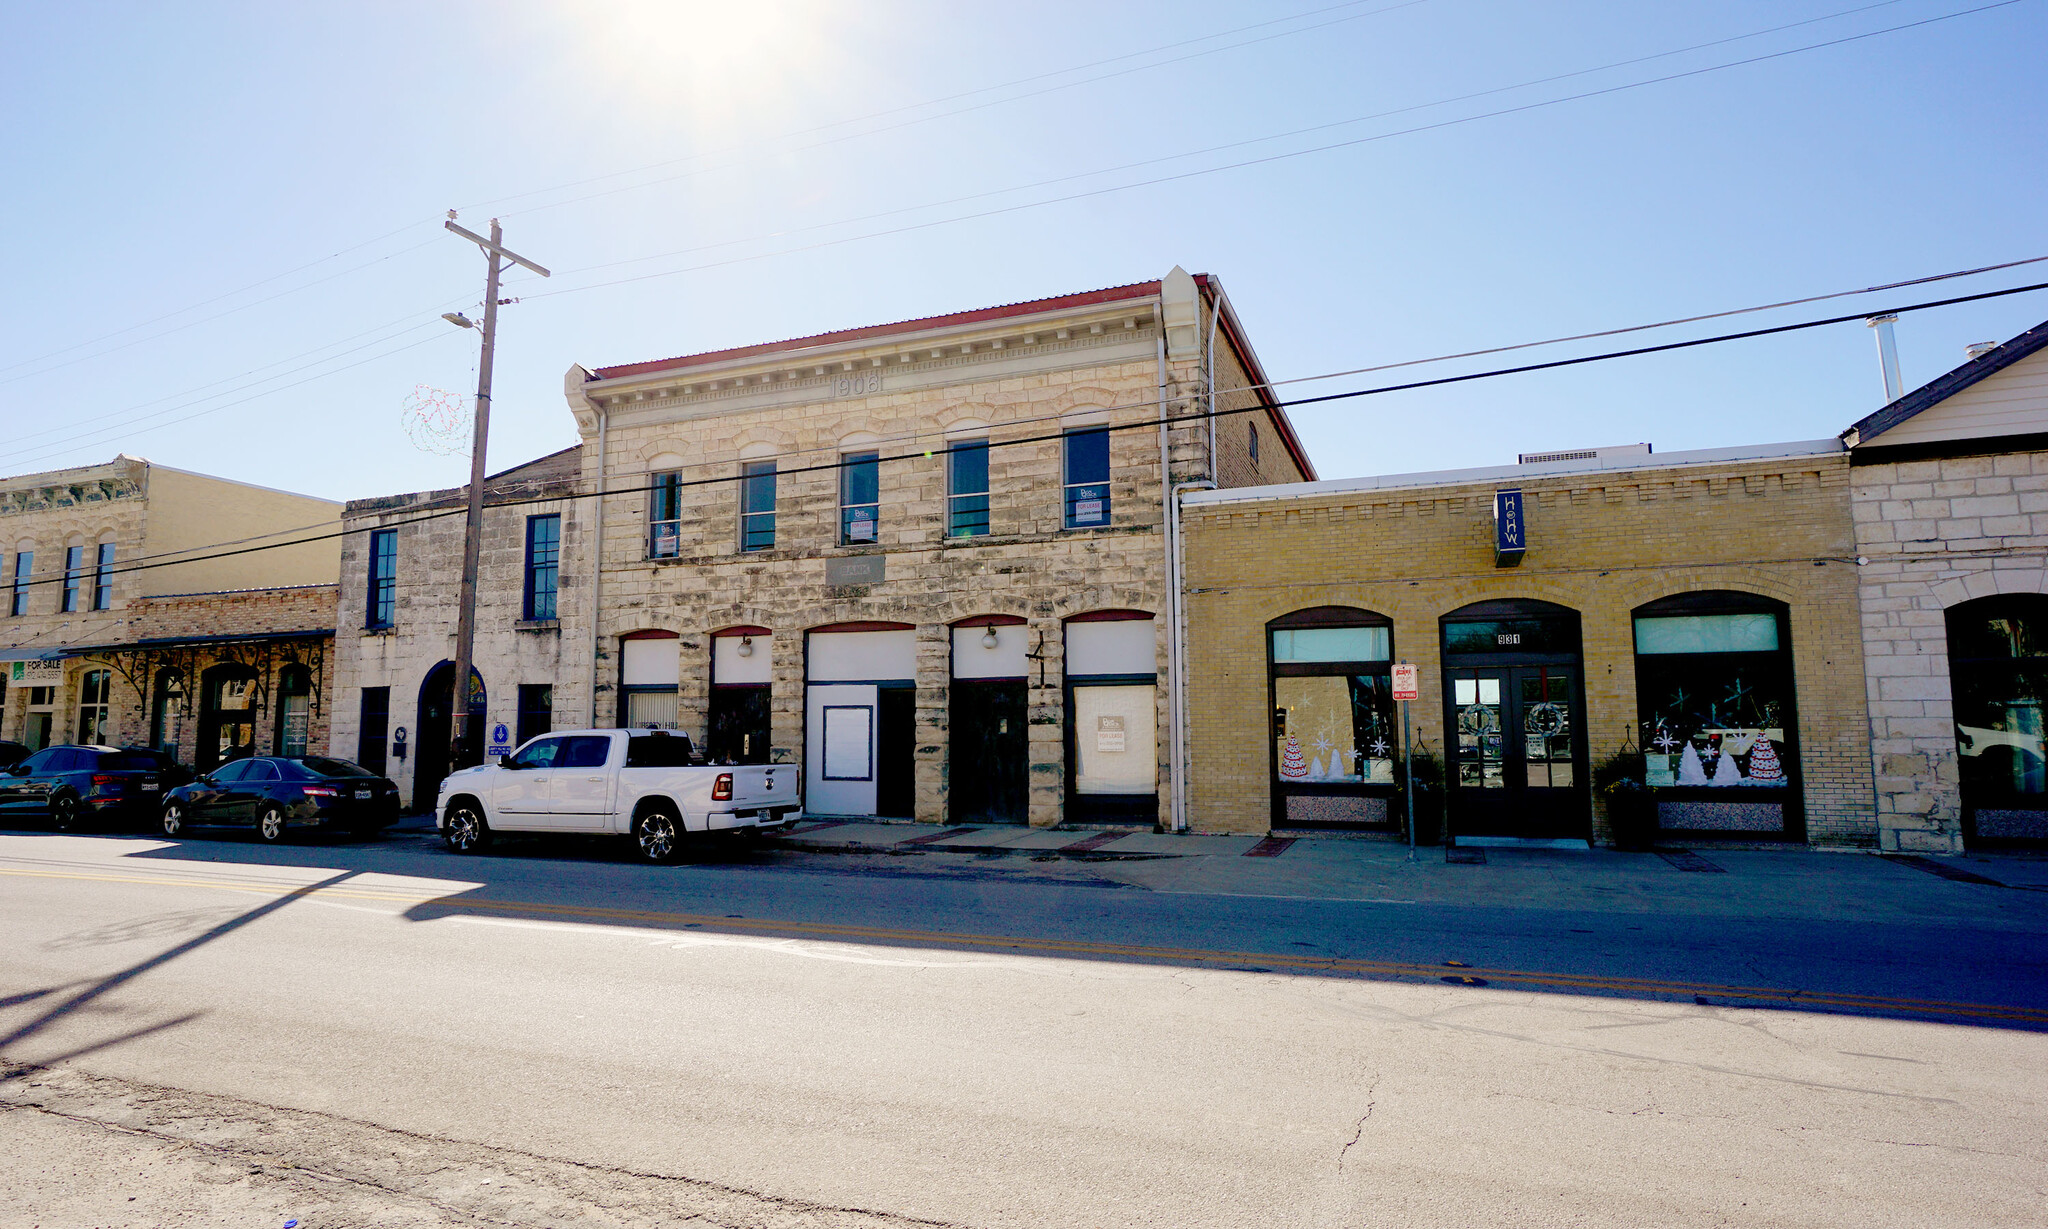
(1601,543)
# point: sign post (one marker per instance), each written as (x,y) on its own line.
(1407,687)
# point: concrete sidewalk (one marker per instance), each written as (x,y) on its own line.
(1794,882)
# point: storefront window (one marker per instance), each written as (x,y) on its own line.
(1998,664)
(1334,734)
(1714,689)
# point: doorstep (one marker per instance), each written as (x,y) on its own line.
(1520,842)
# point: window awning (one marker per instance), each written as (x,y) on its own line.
(35,653)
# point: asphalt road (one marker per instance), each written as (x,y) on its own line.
(388,1034)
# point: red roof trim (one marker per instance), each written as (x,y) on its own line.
(741,629)
(1087,298)
(990,621)
(649,634)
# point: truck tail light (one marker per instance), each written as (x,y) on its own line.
(721,789)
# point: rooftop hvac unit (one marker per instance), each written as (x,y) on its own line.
(1583,454)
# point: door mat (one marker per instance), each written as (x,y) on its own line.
(1465,855)
(1935,866)
(1096,841)
(1271,847)
(1687,860)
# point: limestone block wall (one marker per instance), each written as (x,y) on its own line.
(1936,533)
(1601,544)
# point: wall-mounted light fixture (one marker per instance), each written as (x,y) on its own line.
(988,638)
(746,646)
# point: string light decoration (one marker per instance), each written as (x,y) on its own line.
(437,421)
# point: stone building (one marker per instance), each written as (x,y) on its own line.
(1696,607)
(1950,483)
(401,566)
(123,622)
(929,559)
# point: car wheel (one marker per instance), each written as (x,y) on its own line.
(270,825)
(658,835)
(466,831)
(64,813)
(174,820)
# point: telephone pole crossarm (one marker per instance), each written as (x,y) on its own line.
(496,249)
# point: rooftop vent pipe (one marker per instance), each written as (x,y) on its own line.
(1888,356)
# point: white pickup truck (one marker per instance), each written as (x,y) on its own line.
(646,784)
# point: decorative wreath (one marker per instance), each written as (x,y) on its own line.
(1545,717)
(1478,719)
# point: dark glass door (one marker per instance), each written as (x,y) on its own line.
(738,730)
(988,755)
(896,752)
(1516,749)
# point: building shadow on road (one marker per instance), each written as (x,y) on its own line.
(1987,977)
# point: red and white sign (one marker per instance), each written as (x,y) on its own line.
(1407,685)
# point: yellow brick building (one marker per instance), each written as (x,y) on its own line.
(1698,610)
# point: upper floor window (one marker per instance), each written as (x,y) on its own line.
(665,516)
(967,489)
(24,563)
(103,578)
(1087,470)
(74,575)
(543,564)
(1254,437)
(382,603)
(860,488)
(757,505)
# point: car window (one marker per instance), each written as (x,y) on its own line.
(585,752)
(659,751)
(64,759)
(540,753)
(40,761)
(261,770)
(321,765)
(230,772)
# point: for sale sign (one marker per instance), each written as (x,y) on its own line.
(1407,683)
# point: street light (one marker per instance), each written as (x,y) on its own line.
(459,320)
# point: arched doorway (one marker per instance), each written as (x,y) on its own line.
(1514,721)
(1330,671)
(227,716)
(431,760)
(1998,671)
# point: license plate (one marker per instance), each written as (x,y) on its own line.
(362,793)
(149,787)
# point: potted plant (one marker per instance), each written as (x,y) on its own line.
(1631,803)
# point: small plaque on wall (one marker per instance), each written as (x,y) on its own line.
(844,570)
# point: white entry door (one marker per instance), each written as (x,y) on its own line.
(839,749)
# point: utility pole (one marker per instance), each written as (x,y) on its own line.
(495,256)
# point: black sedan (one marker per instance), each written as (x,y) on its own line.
(275,793)
(80,784)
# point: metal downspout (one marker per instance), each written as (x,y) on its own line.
(1177,631)
(1176,773)
(597,556)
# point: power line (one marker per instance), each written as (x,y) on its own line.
(1146,424)
(1280,157)
(1211,149)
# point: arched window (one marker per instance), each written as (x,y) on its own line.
(1714,694)
(1998,669)
(1334,736)
(294,709)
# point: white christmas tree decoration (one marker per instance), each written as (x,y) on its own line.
(1725,771)
(1690,772)
(1315,769)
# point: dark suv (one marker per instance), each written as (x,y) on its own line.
(74,785)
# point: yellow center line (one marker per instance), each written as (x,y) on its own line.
(1084,947)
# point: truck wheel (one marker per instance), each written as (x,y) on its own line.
(466,831)
(270,826)
(658,835)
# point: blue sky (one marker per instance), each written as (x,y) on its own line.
(224,249)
